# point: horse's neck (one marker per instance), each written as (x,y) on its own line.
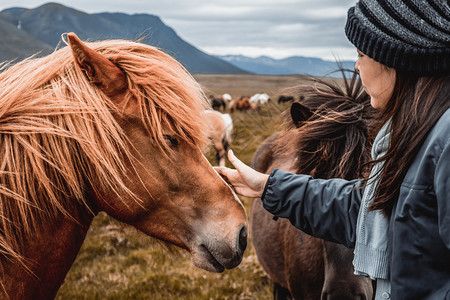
(49,255)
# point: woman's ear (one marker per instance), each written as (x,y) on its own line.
(98,69)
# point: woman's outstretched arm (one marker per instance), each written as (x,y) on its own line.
(326,209)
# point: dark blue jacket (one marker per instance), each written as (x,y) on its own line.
(419,229)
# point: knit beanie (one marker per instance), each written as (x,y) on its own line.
(411,36)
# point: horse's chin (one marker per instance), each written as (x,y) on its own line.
(203,259)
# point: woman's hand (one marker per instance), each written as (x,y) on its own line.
(245,181)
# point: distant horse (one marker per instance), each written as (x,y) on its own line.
(242,104)
(217,103)
(260,99)
(220,129)
(226,97)
(112,126)
(327,139)
(284,98)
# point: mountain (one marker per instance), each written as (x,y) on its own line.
(154,32)
(16,44)
(42,27)
(27,31)
(287,66)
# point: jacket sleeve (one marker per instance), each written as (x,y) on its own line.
(442,187)
(327,209)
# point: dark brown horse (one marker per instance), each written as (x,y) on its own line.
(327,139)
(112,126)
(217,103)
(284,98)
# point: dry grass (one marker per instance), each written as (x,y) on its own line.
(117,262)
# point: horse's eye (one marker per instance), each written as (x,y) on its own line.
(172,140)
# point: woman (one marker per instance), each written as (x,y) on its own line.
(401,234)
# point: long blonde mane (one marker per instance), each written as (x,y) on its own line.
(58,133)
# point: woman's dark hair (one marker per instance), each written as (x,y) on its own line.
(415,106)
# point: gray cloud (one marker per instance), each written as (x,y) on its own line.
(275,28)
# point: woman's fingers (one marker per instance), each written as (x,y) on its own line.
(236,162)
(223,171)
(244,180)
(226,173)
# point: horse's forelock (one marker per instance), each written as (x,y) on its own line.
(167,94)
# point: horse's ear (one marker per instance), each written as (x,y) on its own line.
(99,70)
(299,113)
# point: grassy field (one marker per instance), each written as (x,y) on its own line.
(118,262)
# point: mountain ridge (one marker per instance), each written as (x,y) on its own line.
(288,66)
(46,23)
(38,30)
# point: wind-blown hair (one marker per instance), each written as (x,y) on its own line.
(416,105)
(333,142)
(59,136)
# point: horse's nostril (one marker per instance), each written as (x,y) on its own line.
(243,239)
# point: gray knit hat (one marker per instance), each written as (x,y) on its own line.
(411,36)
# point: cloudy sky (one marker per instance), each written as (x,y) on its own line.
(276,28)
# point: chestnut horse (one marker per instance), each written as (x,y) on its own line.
(113,126)
(242,104)
(220,129)
(327,139)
